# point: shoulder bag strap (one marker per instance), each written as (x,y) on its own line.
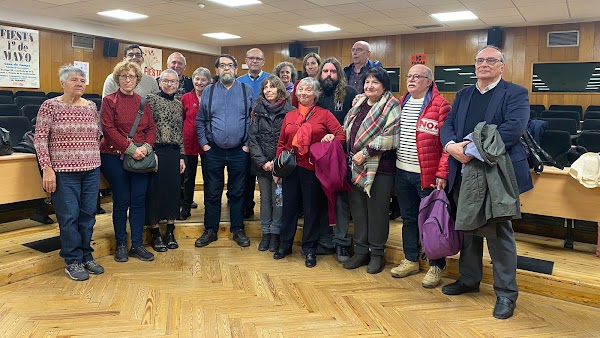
(246,112)
(209,117)
(137,119)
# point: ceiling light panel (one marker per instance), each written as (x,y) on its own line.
(221,36)
(320,28)
(454,16)
(123,15)
(236,3)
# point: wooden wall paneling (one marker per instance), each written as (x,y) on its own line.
(586,41)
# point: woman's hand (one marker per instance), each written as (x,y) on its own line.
(276,179)
(268,166)
(181,166)
(49,180)
(440,183)
(356,98)
(358,158)
(139,153)
(328,138)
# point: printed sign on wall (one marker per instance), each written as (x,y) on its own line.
(418,59)
(19,57)
(152,65)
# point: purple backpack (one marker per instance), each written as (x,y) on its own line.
(436,227)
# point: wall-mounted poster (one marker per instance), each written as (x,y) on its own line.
(19,57)
(152,65)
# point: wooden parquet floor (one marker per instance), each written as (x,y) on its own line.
(226,291)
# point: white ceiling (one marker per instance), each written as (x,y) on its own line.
(180,23)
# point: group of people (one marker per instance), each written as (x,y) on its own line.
(412,145)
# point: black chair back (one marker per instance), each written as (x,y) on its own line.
(556,142)
(9,110)
(4,92)
(6,99)
(568,125)
(29,93)
(20,101)
(590,140)
(592,115)
(91,96)
(567,107)
(591,125)
(30,111)
(53,94)
(592,108)
(97,101)
(564,114)
(538,108)
(17,125)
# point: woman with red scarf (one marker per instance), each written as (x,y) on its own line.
(301,128)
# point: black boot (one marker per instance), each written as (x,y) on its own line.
(274,243)
(264,242)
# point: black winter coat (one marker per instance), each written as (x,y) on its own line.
(264,135)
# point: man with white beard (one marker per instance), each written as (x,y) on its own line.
(223,124)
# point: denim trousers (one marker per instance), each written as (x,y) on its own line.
(129,193)
(410,194)
(75,206)
(215,160)
(270,213)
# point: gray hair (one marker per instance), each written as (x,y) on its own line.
(202,71)
(67,70)
(428,72)
(168,71)
(280,66)
(364,43)
(178,54)
(502,56)
(309,81)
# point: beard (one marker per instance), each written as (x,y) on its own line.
(227,78)
(329,84)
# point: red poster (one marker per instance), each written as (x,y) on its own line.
(418,59)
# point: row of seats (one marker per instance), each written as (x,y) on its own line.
(23,106)
(6,99)
(537,109)
(9,93)
(558,144)
(17,126)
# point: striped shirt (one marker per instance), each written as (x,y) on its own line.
(406,154)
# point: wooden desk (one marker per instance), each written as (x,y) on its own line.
(557,194)
(20,179)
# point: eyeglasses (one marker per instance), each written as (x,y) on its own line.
(416,76)
(134,55)
(127,77)
(489,61)
(170,82)
(358,50)
(226,65)
(254,59)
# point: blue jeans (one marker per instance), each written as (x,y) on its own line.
(75,206)
(129,192)
(215,160)
(270,213)
(410,194)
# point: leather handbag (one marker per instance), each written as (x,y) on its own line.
(5,147)
(284,164)
(148,163)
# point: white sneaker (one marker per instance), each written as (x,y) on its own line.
(433,277)
(406,268)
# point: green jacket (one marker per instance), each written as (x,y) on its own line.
(489,191)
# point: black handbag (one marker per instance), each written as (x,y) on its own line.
(5,147)
(537,157)
(148,163)
(284,164)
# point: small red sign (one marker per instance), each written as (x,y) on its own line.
(418,59)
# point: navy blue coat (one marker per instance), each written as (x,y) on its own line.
(509,110)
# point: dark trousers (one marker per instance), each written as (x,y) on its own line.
(371,216)
(189,181)
(503,252)
(75,206)
(301,187)
(249,188)
(128,193)
(410,194)
(214,162)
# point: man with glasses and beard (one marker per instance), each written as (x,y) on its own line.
(223,124)
(337,98)
(148,85)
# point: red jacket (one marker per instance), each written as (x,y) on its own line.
(430,151)
(191,105)
(322,122)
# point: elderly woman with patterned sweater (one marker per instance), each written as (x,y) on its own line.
(300,129)
(162,196)
(118,113)
(67,144)
(373,130)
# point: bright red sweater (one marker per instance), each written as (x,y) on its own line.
(322,122)
(191,105)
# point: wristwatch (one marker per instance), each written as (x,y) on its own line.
(365,153)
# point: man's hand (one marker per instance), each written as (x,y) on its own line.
(49,180)
(206,147)
(181,166)
(246,149)
(268,166)
(457,150)
(440,183)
